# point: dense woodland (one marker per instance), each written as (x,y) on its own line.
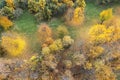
(59,39)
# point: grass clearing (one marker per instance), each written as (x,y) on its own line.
(26,23)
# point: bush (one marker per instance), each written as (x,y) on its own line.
(33,6)
(5,22)
(62,31)
(101,34)
(10,3)
(44,32)
(67,41)
(95,51)
(7,11)
(13,43)
(75,16)
(106,15)
(78,16)
(56,46)
(45,50)
(98,34)
(104,72)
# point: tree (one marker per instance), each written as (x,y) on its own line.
(13,43)
(106,15)
(44,32)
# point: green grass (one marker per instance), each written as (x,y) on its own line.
(26,23)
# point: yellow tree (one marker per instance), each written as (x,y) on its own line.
(78,16)
(106,15)
(13,43)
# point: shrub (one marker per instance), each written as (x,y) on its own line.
(68,64)
(88,65)
(53,47)
(67,41)
(62,31)
(5,22)
(95,51)
(49,41)
(44,32)
(13,43)
(10,3)
(98,34)
(78,16)
(114,26)
(75,16)
(45,50)
(78,59)
(104,72)
(105,15)
(7,11)
(101,34)
(33,6)
(56,46)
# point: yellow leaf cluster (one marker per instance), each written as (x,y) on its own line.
(5,22)
(14,44)
(106,14)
